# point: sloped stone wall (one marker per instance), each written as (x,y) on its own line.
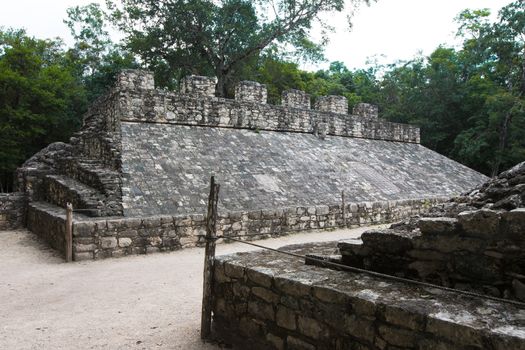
(267,300)
(13,208)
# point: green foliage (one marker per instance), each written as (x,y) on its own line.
(40,98)
(96,58)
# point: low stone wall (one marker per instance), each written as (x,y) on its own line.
(49,223)
(114,237)
(12,210)
(266,300)
(98,238)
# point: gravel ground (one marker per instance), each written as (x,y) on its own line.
(136,302)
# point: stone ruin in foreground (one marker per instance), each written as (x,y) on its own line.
(139,169)
(473,243)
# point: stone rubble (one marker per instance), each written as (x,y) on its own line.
(474,242)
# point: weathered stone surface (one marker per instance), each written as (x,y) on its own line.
(514,223)
(286,318)
(375,314)
(388,240)
(13,207)
(437,225)
(124,242)
(108,242)
(298,344)
(482,223)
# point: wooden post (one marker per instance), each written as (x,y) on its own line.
(209,257)
(343,207)
(69,232)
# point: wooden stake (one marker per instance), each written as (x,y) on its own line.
(209,258)
(343,207)
(69,232)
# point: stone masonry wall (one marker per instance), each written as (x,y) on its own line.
(49,223)
(12,210)
(265,300)
(114,237)
(250,110)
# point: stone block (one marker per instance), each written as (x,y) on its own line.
(134,79)
(124,242)
(83,228)
(438,225)
(483,223)
(275,341)
(398,337)
(294,343)
(266,295)
(286,318)
(332,104)
(261,310)
(80,248)
(366,111)
(108,242)
(260,277)
(388,240)
(291,287)
(250,327)
(198,85)
(460,335)
(514,223)
(359,327)
(295,99)
(251,91)
(309,327)
(233,270)
(328,295)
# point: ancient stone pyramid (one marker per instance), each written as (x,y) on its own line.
(144,152)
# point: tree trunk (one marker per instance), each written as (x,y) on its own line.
(221,73)
(503,136)
(220,90)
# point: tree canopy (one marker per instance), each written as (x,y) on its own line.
(177,37)
(40,98)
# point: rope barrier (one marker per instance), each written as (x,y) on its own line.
(371,273)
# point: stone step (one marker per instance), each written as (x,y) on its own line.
(60,189)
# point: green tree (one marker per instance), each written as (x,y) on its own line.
(96,57)
(40,98)
(219,37)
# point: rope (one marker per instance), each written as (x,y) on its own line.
(368,272)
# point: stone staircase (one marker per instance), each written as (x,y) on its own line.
(60,189)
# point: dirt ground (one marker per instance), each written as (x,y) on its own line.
(137,302)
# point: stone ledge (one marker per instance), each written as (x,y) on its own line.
(360,310)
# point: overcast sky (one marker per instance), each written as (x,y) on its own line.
(388,29)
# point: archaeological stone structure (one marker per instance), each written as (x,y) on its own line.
(472,245)
(137,173)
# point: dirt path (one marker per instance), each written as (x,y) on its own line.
(137,302)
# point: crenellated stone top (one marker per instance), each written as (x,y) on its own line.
(198,85)
(251,91)
(196,104)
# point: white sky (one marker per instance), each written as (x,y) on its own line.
(391,29)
